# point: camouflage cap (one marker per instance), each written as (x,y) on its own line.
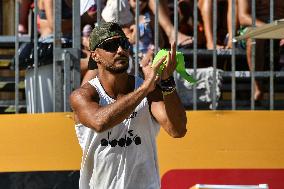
(104,31)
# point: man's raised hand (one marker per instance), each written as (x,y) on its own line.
(150,70)
(171,63)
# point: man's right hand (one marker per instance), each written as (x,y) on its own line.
(150,71)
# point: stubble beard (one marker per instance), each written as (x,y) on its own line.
(117,70)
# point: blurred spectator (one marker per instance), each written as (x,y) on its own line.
(88,12)
(46,20)
(45,54)
(126,20)
(206,9)
(262,17)
(230,22)
(204,25)
(146,38)
(25,6)
(166,24)
(185,11)
(87,29)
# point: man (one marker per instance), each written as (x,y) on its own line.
(118,115)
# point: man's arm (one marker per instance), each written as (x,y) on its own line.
(85,103)
(168,109)
(169,112)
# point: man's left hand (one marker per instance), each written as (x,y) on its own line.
(171,63)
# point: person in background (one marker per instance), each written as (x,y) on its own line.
(166,24)
(146,24)
(230,22)
(88,12)
(46,20)
(109,14)
(45,54)
(118,116)
(25,6)
(206,9)
(87,29)
(262,17)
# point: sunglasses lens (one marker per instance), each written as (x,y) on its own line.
(113,44)
(124,44)
(109,46)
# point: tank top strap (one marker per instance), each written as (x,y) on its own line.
(102,93)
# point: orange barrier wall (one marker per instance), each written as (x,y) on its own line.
(230,147)
(38,142)
(225,147)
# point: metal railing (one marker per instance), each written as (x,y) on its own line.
(64,60)
(67,60)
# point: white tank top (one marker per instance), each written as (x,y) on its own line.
(123,157)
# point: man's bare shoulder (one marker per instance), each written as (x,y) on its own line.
(85,94)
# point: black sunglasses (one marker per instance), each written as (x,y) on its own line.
(111,45)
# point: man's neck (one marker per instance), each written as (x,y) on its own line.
(114,84)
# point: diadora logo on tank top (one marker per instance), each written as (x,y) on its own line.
(133,115)
(127,140)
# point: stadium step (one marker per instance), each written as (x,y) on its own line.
(7,83)
(243,92)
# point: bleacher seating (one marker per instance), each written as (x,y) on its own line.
(7,82)
(243,80)
(204,59)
